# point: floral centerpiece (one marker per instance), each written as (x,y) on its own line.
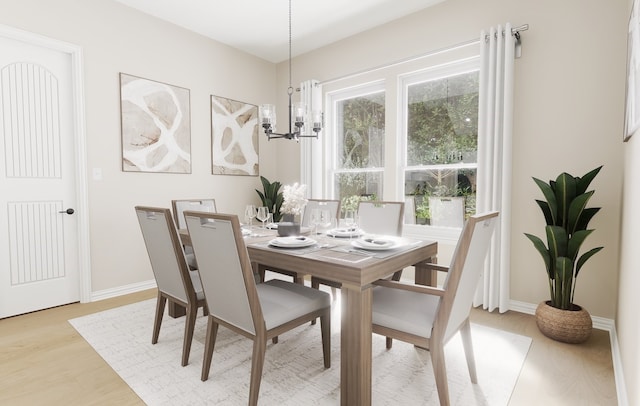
(294,200)
(293,203)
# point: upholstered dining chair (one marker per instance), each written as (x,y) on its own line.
(429,316)
(176,283)
(257,311)
(179,207)
(323,204)
(374,217)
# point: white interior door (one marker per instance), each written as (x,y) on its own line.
(39,239)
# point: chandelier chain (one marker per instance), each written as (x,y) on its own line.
(290,88)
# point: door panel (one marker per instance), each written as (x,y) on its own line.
(37,179)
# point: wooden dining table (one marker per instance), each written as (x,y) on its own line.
(336,259)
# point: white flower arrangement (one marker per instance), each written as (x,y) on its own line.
(294,199)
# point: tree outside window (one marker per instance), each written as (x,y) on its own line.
(360,148)
(442,142)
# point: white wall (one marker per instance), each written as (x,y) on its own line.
(628,321)
(569,98)
(118,39)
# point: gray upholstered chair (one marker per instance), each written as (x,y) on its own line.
(175,281)
(257,311)
(429,316)
(374,217)
(179,207)
(322,204)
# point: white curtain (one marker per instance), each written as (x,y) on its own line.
(311,157)
(495,122)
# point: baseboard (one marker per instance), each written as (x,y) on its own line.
(123,290)
(600,323)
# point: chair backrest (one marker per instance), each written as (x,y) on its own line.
(225,269)
(447,211)
(165,252)
(464,272)
(410,210)
(180,206)
(380,217)
(332,205)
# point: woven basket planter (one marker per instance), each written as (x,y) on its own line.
(568,326)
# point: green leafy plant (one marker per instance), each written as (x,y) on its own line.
(567,218)
(351,202)
(271,197)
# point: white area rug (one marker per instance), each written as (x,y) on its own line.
(293,371)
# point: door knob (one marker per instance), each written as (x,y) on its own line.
(68,211)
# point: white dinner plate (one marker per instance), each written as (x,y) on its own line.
(292,242)
(375,243)
(345,232)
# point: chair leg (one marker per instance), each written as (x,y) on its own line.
(160,303)
(209,344)
(261,272)
(465,333)
(396,276)
(440,372)
(275,340)
(257,363)
(389,343)
(325,330)
(189,326)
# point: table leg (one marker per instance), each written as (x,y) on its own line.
(355,358)
(424,275)
(175,310)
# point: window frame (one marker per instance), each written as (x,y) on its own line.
(442,71)
(331,144)
(390,79)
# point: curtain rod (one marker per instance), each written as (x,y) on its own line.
(514,31)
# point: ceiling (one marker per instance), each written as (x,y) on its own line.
(260,27)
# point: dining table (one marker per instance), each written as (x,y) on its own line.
(355,268)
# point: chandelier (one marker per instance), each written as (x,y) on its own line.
(299,117)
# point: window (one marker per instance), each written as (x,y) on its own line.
(359,123)
(409,133)
(441,129)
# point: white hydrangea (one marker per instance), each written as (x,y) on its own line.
(294,199)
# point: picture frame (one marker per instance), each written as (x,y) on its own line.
(155,126)
(234,137)
(632,97)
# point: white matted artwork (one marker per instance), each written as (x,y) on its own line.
(156,126)
(234,137)
(632,110)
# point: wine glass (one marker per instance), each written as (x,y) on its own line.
(314,220)
(326,219)
(250,213)
(349,219)
(263,214)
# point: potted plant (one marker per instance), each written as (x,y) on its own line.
(567,219)
(271,197)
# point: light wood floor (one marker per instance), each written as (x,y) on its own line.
(44,361)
